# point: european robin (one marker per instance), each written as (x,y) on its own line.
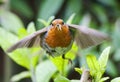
(57,39)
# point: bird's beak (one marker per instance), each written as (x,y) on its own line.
(58,26)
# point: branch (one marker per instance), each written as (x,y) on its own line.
(85,76)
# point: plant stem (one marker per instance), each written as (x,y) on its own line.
(33,77)
(32,70)
(85,76)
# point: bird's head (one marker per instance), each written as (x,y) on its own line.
(58,23)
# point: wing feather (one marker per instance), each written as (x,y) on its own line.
(86,37)
(29,41)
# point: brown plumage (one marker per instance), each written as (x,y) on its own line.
(61,38)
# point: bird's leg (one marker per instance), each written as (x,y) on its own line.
(63,56)
(50,52)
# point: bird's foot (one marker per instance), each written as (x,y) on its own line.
(69,60)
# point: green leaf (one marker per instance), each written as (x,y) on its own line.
(31,28)
(25,57)
(108,2)
(2,2)
(47,8)
(86,19)
(50,20)
(20,76)
(7,39)
(73,6)
(93,64)
(111,69)
(46,23)
(43,22)
(117,79)
(22,32)
(10,21)
(78,70)
(21,57)
(69,21)
(101,13)
(72,53)
(60,63)
(115,35)
(104,58)
(22,7)
(34,56)
(104,79)
(44,71)
(116,56)
(60,78)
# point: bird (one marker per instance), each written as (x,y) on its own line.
(57,38)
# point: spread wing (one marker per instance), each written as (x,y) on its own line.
(29,41)
(86,37)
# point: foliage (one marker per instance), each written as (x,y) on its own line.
(117,79)
(22,75)
(97,67)
(103,15)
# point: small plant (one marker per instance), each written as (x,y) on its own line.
(96,68)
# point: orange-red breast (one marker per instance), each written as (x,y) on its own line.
(57,39)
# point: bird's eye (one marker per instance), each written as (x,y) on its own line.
(62,23)
(52,24)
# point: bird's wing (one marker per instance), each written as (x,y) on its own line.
(86,37)
(29,41)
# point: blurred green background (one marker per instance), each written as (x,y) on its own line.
(103,15)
